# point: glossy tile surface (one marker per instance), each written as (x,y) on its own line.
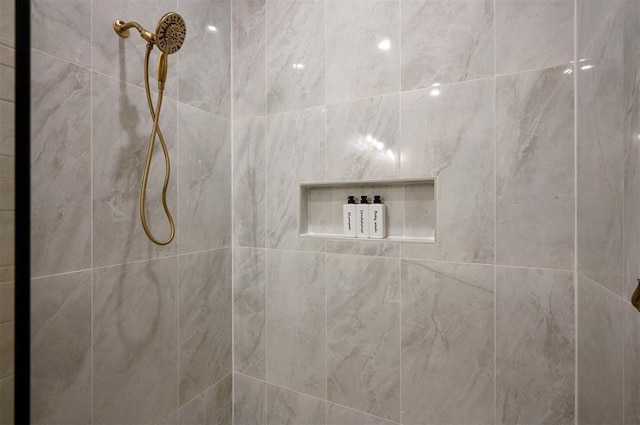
(286,407)
(214,406)
(631,365)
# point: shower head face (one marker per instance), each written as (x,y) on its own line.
(170,33)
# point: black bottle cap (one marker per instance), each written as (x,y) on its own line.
(376,199)
(363,199)
(351,199)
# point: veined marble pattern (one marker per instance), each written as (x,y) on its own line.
(447,343)
(172,419)
(295,54)
(250,398)
(289,134)
(370,248)
(249,58)
(339,415)
(363,50)
(205,320)
(296,321)
(63,28)
(121,130)
(535,341)
(363,334)
(60,166)
(204,80)
(135,331)
(446,41)
(249,313)
(61,349)
(249,182)
(535,169)
(631,365)
(214,406)
(7,131)
(600,354)
(363,139)
(204,170)
(286,407)
(533,34)
(595,17)
(447,132)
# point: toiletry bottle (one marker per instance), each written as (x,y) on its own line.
(349,217)
(377,219)
(362,218)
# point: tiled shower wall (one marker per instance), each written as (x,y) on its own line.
(125,332)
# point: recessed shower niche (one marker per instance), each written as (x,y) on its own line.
(411,208)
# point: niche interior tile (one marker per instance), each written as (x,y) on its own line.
(296,321)
(250,398)
(249,311)
(63,28)
(289,134)
(205,320)
(249,182)
(121,130)
(61,349)
(600,354)
(340,415)
(631,366)
(363,49)
(214,406)
(446,41)
(204,175)
(447,343)
(363,334)
(535,169)
(363,139)
(135,331)
(7,22)
(448,133)
(533,34)
(288,407)
(60,166)
(7,130)
(204,80)
(535,345)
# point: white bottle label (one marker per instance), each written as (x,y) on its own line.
(349,220)
(377,221)
(362,223)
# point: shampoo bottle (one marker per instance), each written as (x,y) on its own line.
(362,218)
(377,219)
(349,217)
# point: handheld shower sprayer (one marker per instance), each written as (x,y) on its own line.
(169,37)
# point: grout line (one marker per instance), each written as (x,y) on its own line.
(575,208)
(177,235)
(404,213)
(495,222)
(265,141)
(91,204)
(233,227)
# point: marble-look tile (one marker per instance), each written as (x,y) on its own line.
(447,343)
(204,176)
(214,406)
(535,169)
(7,74)
(7,242)
(123,58)
(60,166)
(249,313)
(172,419)
(533,34)
(286,407)
(7,22)
(369,248)
(7,400)
(204,80)
(7,302)
(289,134)
(135,342)
(448,133)
(631,391)
(363,334)
(7,183)
(205,320)
(363,139)
(121,130)
(249,182)
(296,321)
(249,401)
(535,346)
(593,17)
(340,415)
(61,349)
(7,130)
(7,345)
(363,49)
(600,354)
(600,150)
(295,54)
(446,41)
(249,58)
(62,28)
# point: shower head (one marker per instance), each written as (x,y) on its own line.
(170,33)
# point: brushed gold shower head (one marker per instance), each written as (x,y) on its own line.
(170,33)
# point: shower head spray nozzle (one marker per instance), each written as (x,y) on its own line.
(170,33)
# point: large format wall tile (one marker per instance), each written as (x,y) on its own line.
(363,334)
(204,189)
(7,22)
(7,242)
(340,415)
(631,390)
(286,407)
(535,343)
(205,320)
(135,331)
(60,166)
(447,343)
(535,169)
(295,54)
(448,133)
(121,130)
(250,397)
(204,78)
(214,406)
(446,41)
(363,49)
(61,349)
(296,321)
(7,130)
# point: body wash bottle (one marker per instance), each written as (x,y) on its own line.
(377,219)
(349,217)
(362,218)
